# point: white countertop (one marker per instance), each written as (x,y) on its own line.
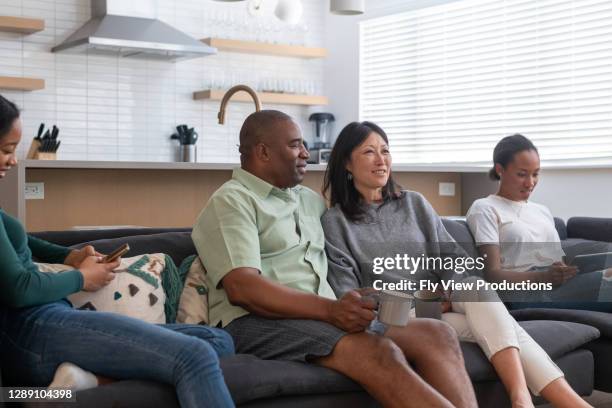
(150,165)
(85,164)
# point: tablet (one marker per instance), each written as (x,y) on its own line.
(593,262)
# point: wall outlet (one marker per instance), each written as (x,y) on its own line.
(34,191)
(446,189)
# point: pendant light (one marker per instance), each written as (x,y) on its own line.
(347,7)
(289,11)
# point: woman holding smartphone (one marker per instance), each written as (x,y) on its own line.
(519,241)
(41,330)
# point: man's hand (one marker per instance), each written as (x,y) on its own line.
(559,273)
(352,313)
(77,256)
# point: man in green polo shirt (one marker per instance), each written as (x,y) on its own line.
(261,242)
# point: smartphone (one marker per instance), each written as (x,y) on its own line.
(122,250)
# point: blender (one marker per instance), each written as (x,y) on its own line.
(322,128)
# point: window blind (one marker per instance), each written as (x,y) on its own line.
(449,81)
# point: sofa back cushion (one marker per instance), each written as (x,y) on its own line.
(178,245)
(591,228)
(459,230)
(561,228)
(75,237)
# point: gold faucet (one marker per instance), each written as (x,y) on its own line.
(228,95)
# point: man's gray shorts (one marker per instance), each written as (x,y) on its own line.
(284,339)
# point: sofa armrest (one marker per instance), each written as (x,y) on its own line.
(595,229)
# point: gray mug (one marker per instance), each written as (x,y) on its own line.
(427,304)
(394,308)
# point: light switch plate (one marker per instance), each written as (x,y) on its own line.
(446,189)
(34,191)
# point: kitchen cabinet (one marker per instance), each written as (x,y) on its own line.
(21,24)
(254,47)
(21,84)
(264,97)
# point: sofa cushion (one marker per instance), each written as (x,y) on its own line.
(249,378)
(596,229)
(178,245)
(600,320)
(243,373)
(556,338)
(461,233)
(126,393)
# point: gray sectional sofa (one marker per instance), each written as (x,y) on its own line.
(579,342)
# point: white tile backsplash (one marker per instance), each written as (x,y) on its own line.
(111,108)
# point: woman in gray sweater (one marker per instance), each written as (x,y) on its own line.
(375,233)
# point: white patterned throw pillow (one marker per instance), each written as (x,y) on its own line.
(136,291)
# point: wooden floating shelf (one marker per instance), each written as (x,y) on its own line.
(21,24)
(254,47)
(21,84)
(264,97)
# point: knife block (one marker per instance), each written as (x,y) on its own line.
(33,149)
(34,154)
(45,156)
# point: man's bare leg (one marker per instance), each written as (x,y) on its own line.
(380,367)
(433,349)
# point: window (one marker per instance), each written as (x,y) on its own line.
(447,82)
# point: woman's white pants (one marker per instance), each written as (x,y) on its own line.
(480,317)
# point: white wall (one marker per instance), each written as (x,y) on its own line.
(570,193)
(111,108)
(567,193)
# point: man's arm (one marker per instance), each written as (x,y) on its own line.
(246,288)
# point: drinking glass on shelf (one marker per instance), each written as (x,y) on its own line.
(303,87)
(289,86)
(269,84)
(250,79)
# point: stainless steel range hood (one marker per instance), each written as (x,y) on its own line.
(131,29)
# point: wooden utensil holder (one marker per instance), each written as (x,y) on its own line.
(45,156)
(35,154)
